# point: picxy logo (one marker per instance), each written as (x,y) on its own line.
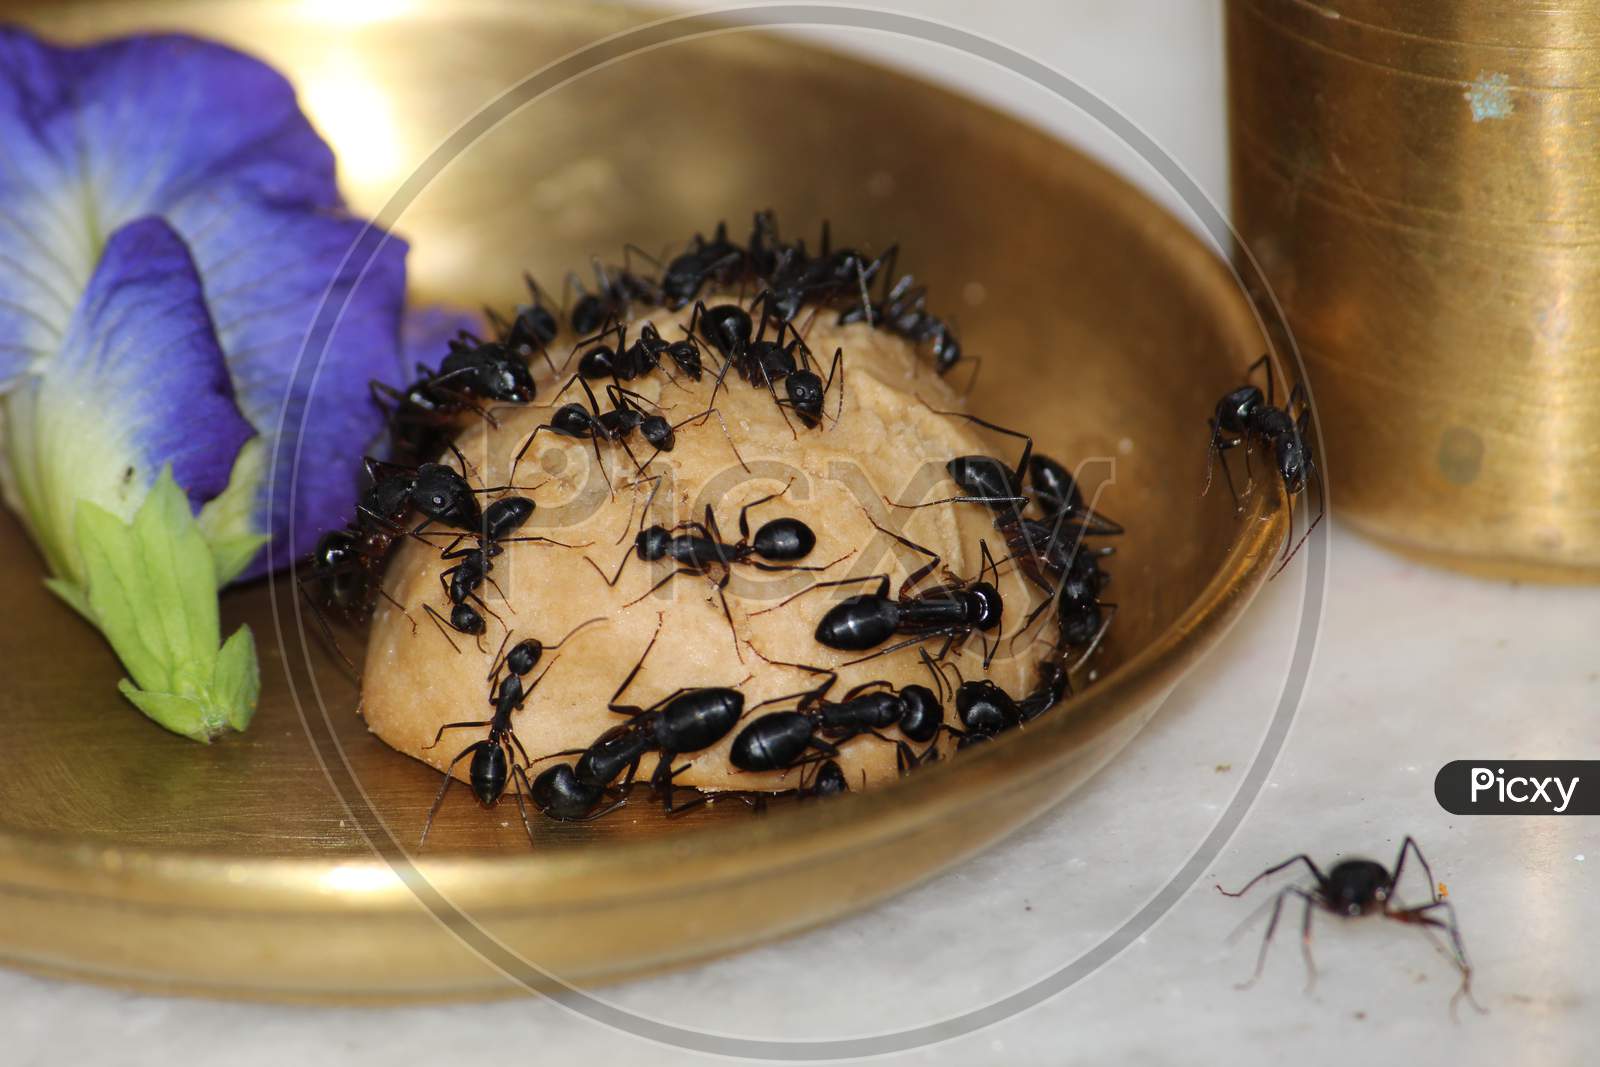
(1519,787)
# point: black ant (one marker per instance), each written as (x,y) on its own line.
(558,794)
(494,764)
(1245,415)
(780,739)
(347,565)
(952,611)
(1354,888)
(462,581)
(686,720)
(986,710)
(423,415)
(610,301)
(717,260)
(617,425)
(626,362)
(774,547)
(533,326)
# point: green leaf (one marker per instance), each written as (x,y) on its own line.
(237,682)
(151,588)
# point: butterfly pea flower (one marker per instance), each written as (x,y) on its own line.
(190,321)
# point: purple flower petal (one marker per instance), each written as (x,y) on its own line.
(308,308)
(140,383)
(213,141)
(96,137)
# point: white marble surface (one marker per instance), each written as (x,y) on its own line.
(1414,668)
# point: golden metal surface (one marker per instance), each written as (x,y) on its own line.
(1418,182)
(132,856)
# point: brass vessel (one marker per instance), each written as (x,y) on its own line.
(1417,181)
(274,864)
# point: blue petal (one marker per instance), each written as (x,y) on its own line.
(96,137)
(139,384)
(308,308)
(141,356)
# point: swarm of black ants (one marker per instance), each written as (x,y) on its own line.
(1037,508)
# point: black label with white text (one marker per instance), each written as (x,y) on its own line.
(1519,787)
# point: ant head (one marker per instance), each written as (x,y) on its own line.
(1078,620)
(534,327)
(505,377)
(728,327)
(986,605)
(443,495)
(686,354)
(336,547)
(805,390)
(984,707)
(653,542)
(1235,409)
(658,431)
(1293,453)
(558,793)
(921,713)
(830,780)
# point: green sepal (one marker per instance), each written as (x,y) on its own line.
(151,588)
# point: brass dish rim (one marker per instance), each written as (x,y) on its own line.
(163,879)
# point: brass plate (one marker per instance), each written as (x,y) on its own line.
(131,856)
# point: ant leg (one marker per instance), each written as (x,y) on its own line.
(534,539)
(1305,942)
(1322,511)
(401,608)
(881,579)
(1105,624)
(1270,871)
(440,622)
(612,581)
(499,662)
(729,436)
(958,500)
(322,623)
(438,800)
(728,614)
(517,459)
(1027,448)
(907,643)
(916,577)
(776,568)
(655,487)
(647,593)
(1265,364)
(1419,917)
(454,726)
(568,635)
(1410,845)
(744,522)
(1266,940)
(519,784)
(612,703)
(972,379)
